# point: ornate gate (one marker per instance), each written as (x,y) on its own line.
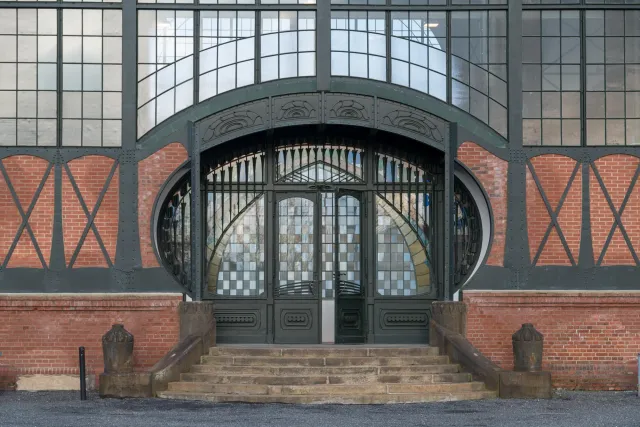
(321,238)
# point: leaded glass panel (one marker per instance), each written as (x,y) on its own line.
(240,269)
(348,243)
(296,253)
(395,272)
(328,237)
(319,163)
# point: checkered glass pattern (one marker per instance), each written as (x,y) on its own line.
(328,238)
(395,272)
(349,239)
(242,269)
(295,243)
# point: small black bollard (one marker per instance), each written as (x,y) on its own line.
(83,378)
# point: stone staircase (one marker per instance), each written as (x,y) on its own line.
(326,374)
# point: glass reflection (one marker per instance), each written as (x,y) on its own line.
(296,255)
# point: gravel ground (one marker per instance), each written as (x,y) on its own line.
(64,409)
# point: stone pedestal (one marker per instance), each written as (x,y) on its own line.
(118,379)
(132,384)
(117,349)
(451,315)
(527,349)
(525,385)
(197,318)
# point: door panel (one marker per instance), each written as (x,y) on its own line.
(296,291)
(350,313)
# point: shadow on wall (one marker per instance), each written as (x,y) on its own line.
(8,378)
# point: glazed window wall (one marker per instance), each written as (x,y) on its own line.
(479,66)
(358,44)
(165,65)
(418,51)
(581,77)
(227,48)
(92,77)
(287,44)
(551,77)
(28,77)
(612,77)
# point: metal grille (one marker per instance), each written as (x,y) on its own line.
(318,251)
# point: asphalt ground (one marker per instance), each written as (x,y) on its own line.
(64,409)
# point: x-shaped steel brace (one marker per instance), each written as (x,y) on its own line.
(25,216)
(553,214)
(91,215)
(617,214)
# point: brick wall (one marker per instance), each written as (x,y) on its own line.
(25,174)
(591,339)
(554,173)
(491,171)
(91,175)
(616,172)
(152,174)
(41,334)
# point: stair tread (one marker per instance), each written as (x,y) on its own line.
(324,399)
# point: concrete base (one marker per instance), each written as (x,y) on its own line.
(525,385)
(41,382)
(135,384)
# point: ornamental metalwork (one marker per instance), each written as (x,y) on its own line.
(304,214)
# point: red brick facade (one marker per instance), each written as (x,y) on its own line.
(554,173)
(152,174)
(616,172)
(491,171)
(91,175)
(41,334)
(591,339)
(25,174)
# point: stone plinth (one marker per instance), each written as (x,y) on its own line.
(132,384)
(197,318)
(451,315)
(525,385)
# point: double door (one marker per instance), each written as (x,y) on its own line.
(319,286)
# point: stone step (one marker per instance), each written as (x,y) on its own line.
(322,389)
(326,370)
(345,378)
(324,351)
(323,361)
(370,399)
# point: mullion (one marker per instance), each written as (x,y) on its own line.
(624,76)
(17,74)
(561,118)
(102,40)
(37,36)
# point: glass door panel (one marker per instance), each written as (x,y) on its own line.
(296,252)
(350,313)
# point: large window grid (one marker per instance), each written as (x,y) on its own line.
(165,65)
(227,51)
(612,77)
(287,44)
(92,77)
(581,72)
(28,77)
(229,2)
(418,51)
(358,44)
(551,77)
(479,66)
